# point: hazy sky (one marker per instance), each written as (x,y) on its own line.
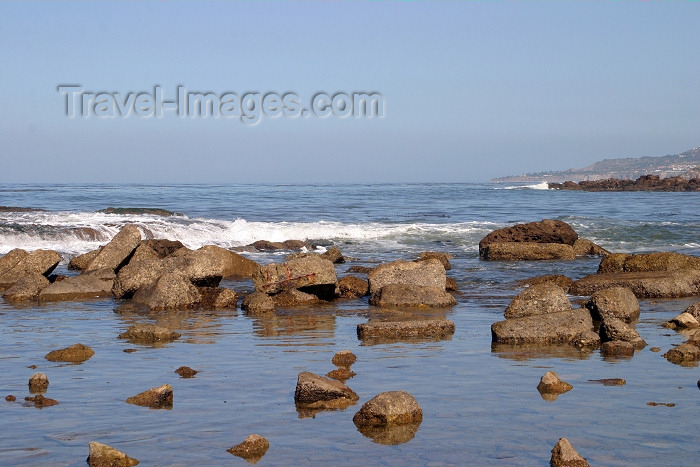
(471,90)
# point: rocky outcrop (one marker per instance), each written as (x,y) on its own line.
(76,353)
(374,330)
(93,284)
(643,183)
(253,448)
(149,334)
(26,288)
(18,263)
(644,262)
(314,391)
(117,252)
(564,455)
(389,408)
(310,274)
(101,455)
(552,328)
(614,329)
(585,247)
(615,302)
(649,284)
(513,251)
(544,231)
(412,295)
(428,273)
(154,398)
(538,299)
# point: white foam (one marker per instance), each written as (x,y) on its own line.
(536,186)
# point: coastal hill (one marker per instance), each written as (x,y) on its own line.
(685,165)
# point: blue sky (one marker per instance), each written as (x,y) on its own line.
(471,90)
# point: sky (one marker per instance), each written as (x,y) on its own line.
(468,90)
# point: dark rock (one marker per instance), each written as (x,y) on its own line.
(162,247)
(171,291)
(344,358)
(527,251)
(139,211)
(40,401)
(333,255)
(609,381)
(538,299)
(294,297)
(584,247)
(155,398)
(38,383)
(614,302)
(562,281)
(545,231)
(360,269)
(311,274)
(92,284)
(444,258)
(614,329)
(617,349)
(412,295)
(352,287)
(551,384)
(102,455)
(414,329)
(18,263)
(451,285)
(389,408)
(117,252)
(428,273)
(258,302)
(218,298)
(650,284)
(76,353)
(10,398)
(144,253)
(253,448)
(265,245)
(149,334)
(564,455)
(186,372)
(314,391)
(552,328)
(643,183)
(685,353)
(26,288)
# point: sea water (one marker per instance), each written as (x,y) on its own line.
(480,403)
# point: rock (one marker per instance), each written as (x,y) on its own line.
(40,401)
(253,448)
(562,281)
(609,381)
(614,302)
(93,284)
(451,285)
(412,295)
(80,262)
(38,383)
(614,329)
(265,245)
(683,354)
(218,298)
(683,321)
(144,252)
(551,384)
(155,398)
(314,391)
(650,284)
(344,358)
(117,252)
(162,247)
(26,288)
(310,274)
(186,372)
(102,455)
(694,310)
(10,398)
(149,334)
(232,264)
(552,328)
(18,263)
(544,231)
(360,269)
(444,258)
(352,287)
(617,348)
(428,273)
(414,329)
(171,291)
(333,255)
(341,374)
(527,251)
(645,262)
(564,455)
(389,408)
(257,303)
(76,353)
(643,183)
(294,297)
(584,247)
(538,299)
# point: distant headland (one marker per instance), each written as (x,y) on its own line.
(643,183)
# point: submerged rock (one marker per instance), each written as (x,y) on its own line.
(149,334)
(186,372)
(564,455)
(413,329)
(155,398)
(389,408)
(76,353)
(38,383)
(538,299)
(314,391)
(40,401)
(253,448)
(101,455)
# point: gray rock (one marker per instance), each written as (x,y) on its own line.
(102,455)
(412,295)
(552,328)
(117,252)
(171,291)
(428,273)
(232,264)
(538,299)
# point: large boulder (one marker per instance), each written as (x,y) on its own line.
(614,329)
(615,302)
(513,251)
(412,295)
(649,284)
(662,261)
(311,274)
(538,299)
(389,408)
(429,273)
(412,329)
(117,252)
(171,291)
(544,231)
(101,455)
(94,284)
(688,353)
(314,391)
(17,263)
(232,264)
(552,328)
(26,288)
(80,262)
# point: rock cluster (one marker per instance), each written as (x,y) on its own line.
(643,183)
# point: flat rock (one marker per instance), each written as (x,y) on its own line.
(645,262)
(93,284)
(544,231)
(552,328)
(311,274)
(412,295)
(147,333)
(101,455)
(26,288)
(155,398)
(253,448)
(538,299)
(428,273)
(514,251)
(76,353)
(314,391)
(389,408)
(116,253)
(564,455)
(413,329)
(614,302)
(649,284)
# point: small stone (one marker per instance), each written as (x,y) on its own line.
(665,404)
(344,358)
(253,448)
(11,398)
(186,372)
(564,455)
(155,398)
(609,381)
(102,455)
(76,353)
(129,350)
(655,349)
(38,383)
(551,384)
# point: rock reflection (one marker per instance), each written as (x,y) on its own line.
(523,352)
(302,323)
(390,435)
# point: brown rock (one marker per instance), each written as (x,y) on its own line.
(218,298)
(344,358)
(617,349)
(144,252)
(360,269)
(316,391)
(253,448)
(514,251)
(155,398)
(614,302)
(38,383)
(310,274)
(414,329)
(545,231)
(17,263)
(428,273)
(186,372)
(390,434)
(80,262)
(76,353)
(609,381)
(10,398)
(551,384)
(562,281)
(683,321)
(584,247)
(341,374)
(162,247)
(294,297)
(683,354)
(614,329)
(538,299)
(389,408)
(694,310)
(171,291)
(149,334)
(651,284)
(645,262)
(451,285)
(231,264)
(412,295)
(116,253)
(26,288)
(444,258)
(333,255)
(40,401)
(353,287)
(102,455)
(257,303)
(564,455)
(93,284)
(552,328)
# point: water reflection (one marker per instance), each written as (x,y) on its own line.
(309,327)
(524,352)
(390,435)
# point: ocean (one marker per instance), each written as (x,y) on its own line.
(480,403)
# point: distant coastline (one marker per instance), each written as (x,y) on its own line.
(644,183)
